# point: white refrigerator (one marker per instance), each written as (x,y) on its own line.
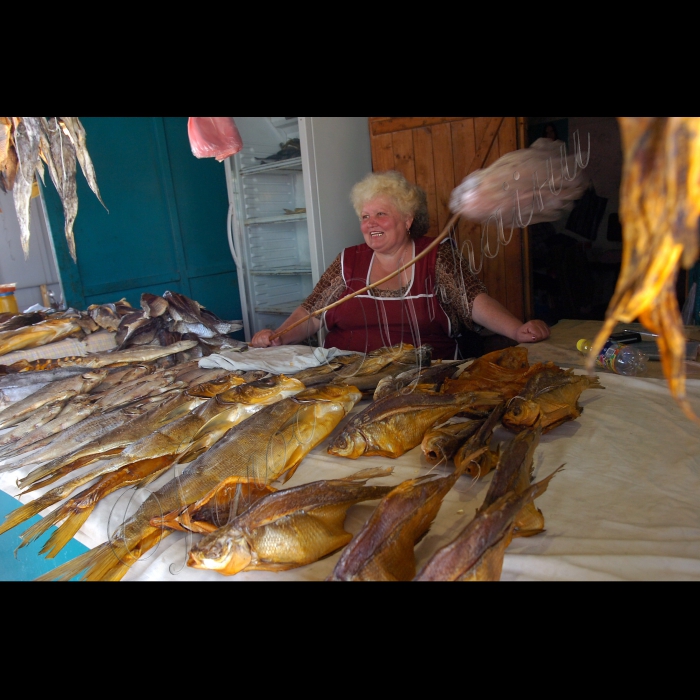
(290,217)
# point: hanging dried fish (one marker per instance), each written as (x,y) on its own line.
(659,210)
(57,141)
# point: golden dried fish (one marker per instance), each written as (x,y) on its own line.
(72,438)
(111,443)
(377,360)
(286,430)
(289,528)
(430,378)
(397,423)
(141,461)
(217,386)
(514,473)
(216,510)
(384,549)
(237,404)
(22,321)
(476,554)
(40,417)
(73,411)
(142,353)
(51,393)
(38,334)
(550,398)
(659,209)
(439,444)
(479,467)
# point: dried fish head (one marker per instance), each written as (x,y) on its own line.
(224,551)
(350,444)
(260,390)
(522,414)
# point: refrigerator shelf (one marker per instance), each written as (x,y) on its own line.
(274,219)
(293,164)
(281,309)
(288,270)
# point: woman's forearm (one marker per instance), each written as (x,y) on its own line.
(303,330)
(487,312)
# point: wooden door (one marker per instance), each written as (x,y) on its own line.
(437,153)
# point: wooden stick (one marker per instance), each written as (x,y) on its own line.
(444,234)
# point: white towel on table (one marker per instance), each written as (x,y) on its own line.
(281,359)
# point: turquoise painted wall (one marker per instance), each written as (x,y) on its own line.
(166,225)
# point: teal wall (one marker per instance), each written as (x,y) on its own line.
(166,226)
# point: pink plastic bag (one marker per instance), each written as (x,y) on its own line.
(214,137)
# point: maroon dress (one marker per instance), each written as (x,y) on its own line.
(366,322)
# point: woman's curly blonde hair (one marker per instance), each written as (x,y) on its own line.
(408,198)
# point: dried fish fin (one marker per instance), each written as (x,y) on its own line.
(77,135)
(215,510)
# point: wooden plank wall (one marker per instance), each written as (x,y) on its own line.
(437,153)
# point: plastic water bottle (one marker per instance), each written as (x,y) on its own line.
(617,357)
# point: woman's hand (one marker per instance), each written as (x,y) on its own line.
(532,332)
(262,339)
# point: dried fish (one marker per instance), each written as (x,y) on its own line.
(480,466)
(476,554)
(397,423)
(288,430)
(384,549)
(550,398)
(289,528)
(38,334)
(514,473)
(430,378)
(59,391)
(439,444)
(659,209)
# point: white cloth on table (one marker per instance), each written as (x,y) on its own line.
(282,359)
(626,506)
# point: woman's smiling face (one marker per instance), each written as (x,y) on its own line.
(384,227)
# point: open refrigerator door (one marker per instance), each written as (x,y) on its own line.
(290,212)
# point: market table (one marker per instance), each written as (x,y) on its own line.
(626,506)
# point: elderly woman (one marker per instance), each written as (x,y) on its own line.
(431,302)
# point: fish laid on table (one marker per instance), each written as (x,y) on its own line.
(479,467)
(476,554)
(551,398)
(384,549)
(439,444)
(260,449)
(22,321)
(28,427)
(372,363)
(391,426)
(73,411)
(140,462)
(111,443)
(141,353)
(237,404)
(514,473)
(37,335)
(72,438)
(61,390)
(288,528)
(430,378)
